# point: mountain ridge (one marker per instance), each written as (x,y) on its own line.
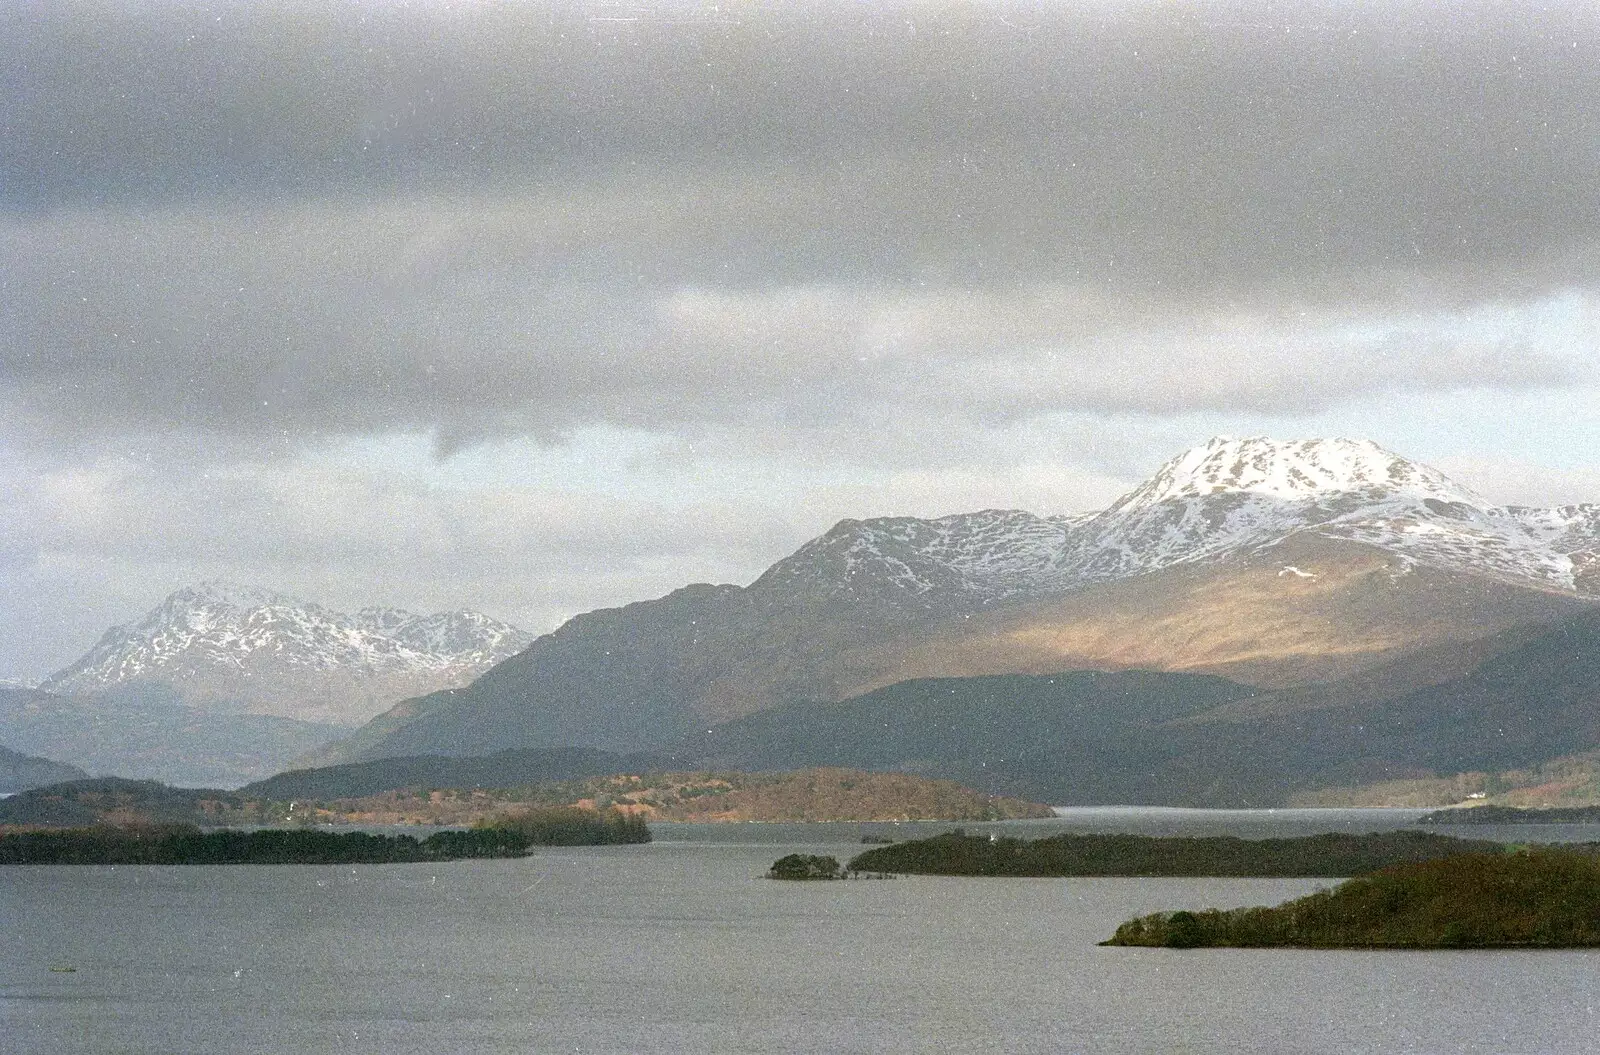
(1276,562)
(1088,738)
(232,647)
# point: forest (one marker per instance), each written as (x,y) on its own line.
(187,844)
(1336,854)
(1527,899)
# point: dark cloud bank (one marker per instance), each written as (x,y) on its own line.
(480,219)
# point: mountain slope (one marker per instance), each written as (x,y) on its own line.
(19,772)
(1305,609)
(226,647)
(1275,563)
(1534,700)
(145,731)
(979,722)
(505,769)
(1088,738)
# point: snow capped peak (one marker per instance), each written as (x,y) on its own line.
(1224,499)
(1293,470)
(241,642)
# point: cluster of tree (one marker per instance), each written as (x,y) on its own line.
(1538,899)
(571,826)
(185,844)
(959,854)
(805,866)
(810,795)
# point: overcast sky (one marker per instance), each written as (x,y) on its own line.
(535,308)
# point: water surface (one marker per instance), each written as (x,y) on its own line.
(681,947)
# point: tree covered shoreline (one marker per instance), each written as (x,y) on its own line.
(187,844)
(1336,854)
(1538,899)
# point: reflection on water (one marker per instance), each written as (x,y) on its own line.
(680,946)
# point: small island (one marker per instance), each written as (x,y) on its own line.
(1545,899)
(959,854)
(806,867)
(187,844)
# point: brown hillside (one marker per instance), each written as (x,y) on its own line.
(1351,608)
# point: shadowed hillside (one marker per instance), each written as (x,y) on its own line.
(19,772)
(1173,739)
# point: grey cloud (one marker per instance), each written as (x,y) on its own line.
(460,318)
(117,534)
(1517,482)
(281,222)
(894,238)
(1153,142)
(186,510)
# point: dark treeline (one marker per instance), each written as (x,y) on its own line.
(184,844)
(957,854)
(181,844)
(1513,815)
(1535,899)
(571,826)
(805,867)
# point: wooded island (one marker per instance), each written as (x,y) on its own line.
(960,854)
(1532,899)
(186,844)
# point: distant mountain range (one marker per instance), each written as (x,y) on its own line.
(221,684)
(1086,737)
(1258,621)
(1282,567)
(228,648)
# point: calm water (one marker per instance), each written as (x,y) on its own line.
(680,947)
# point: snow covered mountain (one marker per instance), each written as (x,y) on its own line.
(1227,498)
(236,647)
(1279,564)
